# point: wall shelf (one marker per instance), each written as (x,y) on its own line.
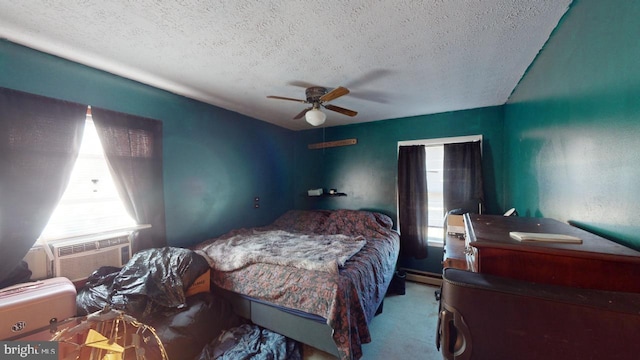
(325,195)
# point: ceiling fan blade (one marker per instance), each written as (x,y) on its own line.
(302,84)
(302,113)
(334,94)
(341,110)
(285,98)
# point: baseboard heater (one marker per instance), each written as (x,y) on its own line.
(423,277)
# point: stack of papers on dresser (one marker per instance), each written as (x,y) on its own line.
(544,237)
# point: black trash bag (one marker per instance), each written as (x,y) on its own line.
(184,332)
(20,274)
(156,277)
(94,296)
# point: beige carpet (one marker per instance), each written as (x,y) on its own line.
(406,329)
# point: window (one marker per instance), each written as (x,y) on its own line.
(91,203)
(435,161)
(435,193)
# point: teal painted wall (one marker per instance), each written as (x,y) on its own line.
(564,146)
(572,125)
(366,172)
(215,161)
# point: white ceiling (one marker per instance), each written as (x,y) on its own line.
(399,58)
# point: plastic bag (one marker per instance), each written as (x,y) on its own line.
(152,280)
(94,296)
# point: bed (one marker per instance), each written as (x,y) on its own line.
(326,305)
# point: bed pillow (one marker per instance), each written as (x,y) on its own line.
(358,222)
(304,221)
(383,220)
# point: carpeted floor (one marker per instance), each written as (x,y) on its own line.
(406,329)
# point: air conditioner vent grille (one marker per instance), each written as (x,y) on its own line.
(66,250)
(104,243)
(79,260)
(112,242)
(92,245)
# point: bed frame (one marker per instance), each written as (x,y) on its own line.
(312,332)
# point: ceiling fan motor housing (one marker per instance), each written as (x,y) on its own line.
(314,93)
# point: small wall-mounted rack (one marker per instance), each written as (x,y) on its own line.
(333,195)
(327,195)
(328,144)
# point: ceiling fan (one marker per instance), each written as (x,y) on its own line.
(317,96)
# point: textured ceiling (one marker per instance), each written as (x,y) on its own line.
(399,58)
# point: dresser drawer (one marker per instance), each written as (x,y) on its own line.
(454,253)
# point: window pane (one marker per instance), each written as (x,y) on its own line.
(435,155)
(91,203)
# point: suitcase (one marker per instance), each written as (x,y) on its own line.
(32,311)
(490,317)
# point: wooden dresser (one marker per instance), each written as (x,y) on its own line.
(596,263)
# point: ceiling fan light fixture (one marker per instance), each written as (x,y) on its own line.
(315,117)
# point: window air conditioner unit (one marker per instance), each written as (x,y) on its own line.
(76,260)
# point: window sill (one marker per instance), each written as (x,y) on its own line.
(97,236)
(435,243)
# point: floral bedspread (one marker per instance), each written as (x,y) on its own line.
(349,299)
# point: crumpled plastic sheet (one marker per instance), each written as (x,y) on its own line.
(153,278)
(251,342)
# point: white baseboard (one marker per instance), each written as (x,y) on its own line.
(424,277)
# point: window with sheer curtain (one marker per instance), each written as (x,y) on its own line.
(90,204)
(41,138)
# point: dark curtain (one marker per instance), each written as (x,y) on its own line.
(39,144)
(462,177)
(412,200)
(133,148)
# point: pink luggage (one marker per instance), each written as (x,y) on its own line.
(29,311)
